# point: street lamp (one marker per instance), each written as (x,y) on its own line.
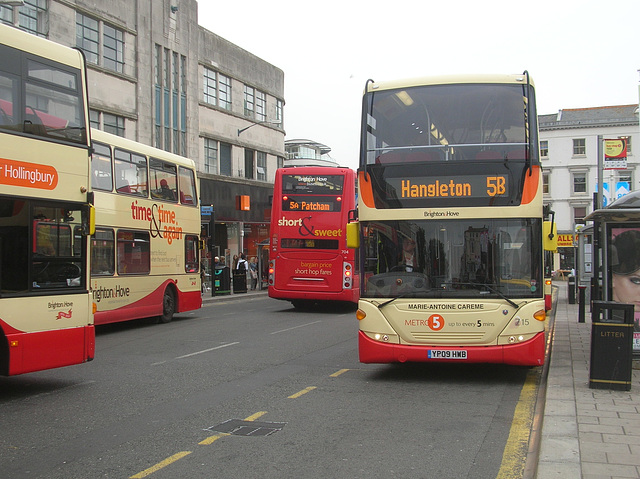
(277,122)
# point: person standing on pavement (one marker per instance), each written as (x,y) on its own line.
(253,272)
(243,267)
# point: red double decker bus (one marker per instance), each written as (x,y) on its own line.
(309,259)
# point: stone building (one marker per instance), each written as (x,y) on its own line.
(156,76)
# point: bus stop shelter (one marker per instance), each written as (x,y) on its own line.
(616,259)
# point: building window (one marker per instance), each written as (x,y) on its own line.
(625,177)
(545,183)
(224,91)
(262,166)
(544,148)
(209,86)
(579,148)
(249,101)
(6,14)
(108,122)
(88,40)
(579,182)
(279,111)
(157,69)
(113,49)
(94,119)
(280,162)
(210,156)
(32,17)
(225,159)
(261,106)
(87,37)
(170,101)
(113,124)
(248,163)
(579,212)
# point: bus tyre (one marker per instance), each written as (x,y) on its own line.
(168,306)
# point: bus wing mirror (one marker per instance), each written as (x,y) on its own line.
(549,236)
(353,235)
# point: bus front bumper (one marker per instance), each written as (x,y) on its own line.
(528,353)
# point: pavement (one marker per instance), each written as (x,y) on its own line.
(581,433)
(586,433)
(207,297)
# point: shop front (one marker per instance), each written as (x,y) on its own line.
(235,218)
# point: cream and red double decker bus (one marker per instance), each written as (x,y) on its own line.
(46,319)
(145,250)
(450,222)
(308,256)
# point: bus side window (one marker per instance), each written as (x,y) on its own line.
(187,187)
(6,107)
(101,167)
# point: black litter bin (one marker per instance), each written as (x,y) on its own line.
(572,289)
(611,346)
(239,281)
(222,281)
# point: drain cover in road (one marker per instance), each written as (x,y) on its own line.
(238,427)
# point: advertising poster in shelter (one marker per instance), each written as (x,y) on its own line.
(624,262)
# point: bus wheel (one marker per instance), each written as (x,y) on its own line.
(168,306)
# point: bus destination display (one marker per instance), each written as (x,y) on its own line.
(472,186)
(311,203)
(313,184)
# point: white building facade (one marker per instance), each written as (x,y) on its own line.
(301,152)
(569,146)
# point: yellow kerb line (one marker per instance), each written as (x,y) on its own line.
(160,465)
(300,393)
(515,451)
(338,373)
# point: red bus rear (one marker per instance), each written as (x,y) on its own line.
(309,258)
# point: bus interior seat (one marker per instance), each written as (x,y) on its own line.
(125,188)
(186,199)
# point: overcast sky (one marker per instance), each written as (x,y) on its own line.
(579,53)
